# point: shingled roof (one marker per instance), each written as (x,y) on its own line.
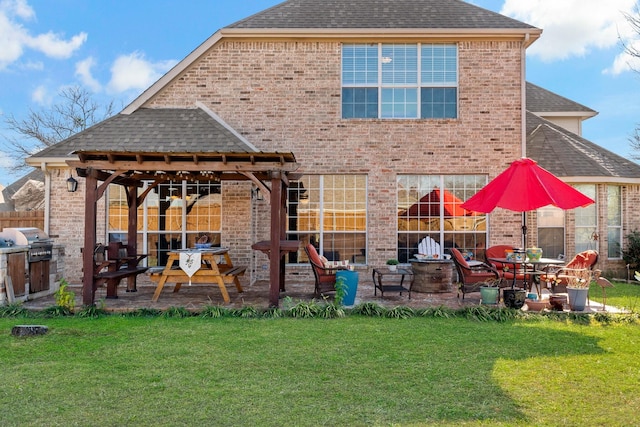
(360,14)
(540,100)
(155,130)
(566,154)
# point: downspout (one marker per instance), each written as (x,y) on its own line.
(47,197)
(523,94)
(523,131)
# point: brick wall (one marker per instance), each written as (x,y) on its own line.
(285,96)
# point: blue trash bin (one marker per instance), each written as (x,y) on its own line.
(351,281)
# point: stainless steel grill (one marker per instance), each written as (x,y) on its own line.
(39,243)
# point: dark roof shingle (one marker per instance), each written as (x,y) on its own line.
(154,130)
(566,154)
(360,14)
(540,100)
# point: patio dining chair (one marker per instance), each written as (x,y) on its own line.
(558,276)
(471,278)
(325,278)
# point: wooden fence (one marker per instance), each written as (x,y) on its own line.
(22,219)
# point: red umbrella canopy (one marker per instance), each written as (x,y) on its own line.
(429,205)
(525,186)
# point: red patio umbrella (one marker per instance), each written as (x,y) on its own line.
(525,186)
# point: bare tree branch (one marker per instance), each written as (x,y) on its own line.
(634,21)
(76,111)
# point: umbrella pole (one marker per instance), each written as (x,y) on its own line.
(524,230)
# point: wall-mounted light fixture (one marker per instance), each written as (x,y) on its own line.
(72,185)
(257,195)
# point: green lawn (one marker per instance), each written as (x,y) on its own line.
(355,371)
(623,295)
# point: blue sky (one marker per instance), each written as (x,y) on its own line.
(118,48)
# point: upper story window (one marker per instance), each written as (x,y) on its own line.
(400,81)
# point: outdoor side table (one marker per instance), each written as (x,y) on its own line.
(380,273)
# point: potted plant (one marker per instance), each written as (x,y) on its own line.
(490,292)
(392,264)
(579,280)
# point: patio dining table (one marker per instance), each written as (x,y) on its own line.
(541,264)
(529,269)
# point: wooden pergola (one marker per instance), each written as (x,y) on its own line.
(270,172)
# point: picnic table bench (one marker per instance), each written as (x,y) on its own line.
(113,263)
(219,271)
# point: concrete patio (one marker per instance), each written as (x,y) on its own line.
(197,296)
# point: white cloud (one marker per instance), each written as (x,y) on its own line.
(54,46)
(18,8)
(83,71)
(572,27)
(134,72)
(14,37)
(40,95)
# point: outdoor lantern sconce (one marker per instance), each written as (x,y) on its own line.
(257,195)
(72,185)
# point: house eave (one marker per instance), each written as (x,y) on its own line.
(46,162)
(617,180)
(580,114)
(529,35)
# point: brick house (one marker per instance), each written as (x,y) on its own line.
(381,103)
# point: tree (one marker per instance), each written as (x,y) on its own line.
(76,111)
(634,51)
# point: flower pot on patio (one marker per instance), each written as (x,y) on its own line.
(514,298)
(577,298)
(557,302)
(489,294)
(350,280)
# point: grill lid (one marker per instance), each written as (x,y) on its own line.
(24,235)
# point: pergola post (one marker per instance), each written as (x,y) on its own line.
(277,211)
(90,214)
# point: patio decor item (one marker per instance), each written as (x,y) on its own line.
(392,264)
(349,279)
(490,292)
(514,298)
(557,302)
(535,305)
(525,186)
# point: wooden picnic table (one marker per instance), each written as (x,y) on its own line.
(215,268)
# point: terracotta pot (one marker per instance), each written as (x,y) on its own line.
(557,302)
(535,305)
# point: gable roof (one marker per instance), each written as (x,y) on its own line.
(574,158)
(545,102)
(6,201)
(359,19)
(163,130)
(350,14)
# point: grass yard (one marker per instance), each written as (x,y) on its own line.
(622,295)
(352,371)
